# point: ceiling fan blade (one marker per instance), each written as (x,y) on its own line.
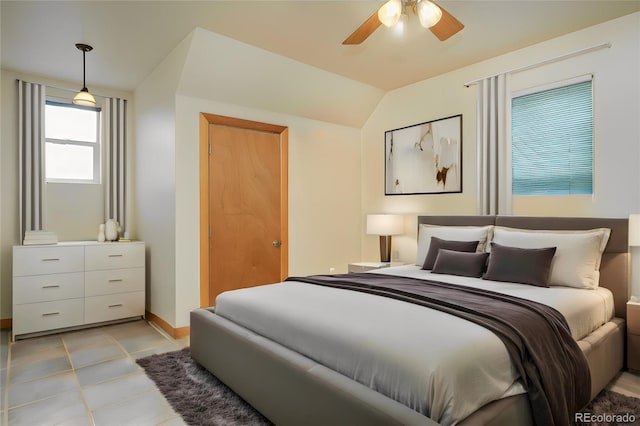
(365,30)
(446,26)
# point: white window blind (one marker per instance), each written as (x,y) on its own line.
(552,141)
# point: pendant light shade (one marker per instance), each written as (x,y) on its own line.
(83,97)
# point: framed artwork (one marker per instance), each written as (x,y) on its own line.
(424,158)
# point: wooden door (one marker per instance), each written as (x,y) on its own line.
(247,207)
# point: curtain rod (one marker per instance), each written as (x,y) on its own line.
(66,89)
(546,61)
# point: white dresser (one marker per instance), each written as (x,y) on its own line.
(74,284)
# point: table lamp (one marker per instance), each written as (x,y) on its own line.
(385,225)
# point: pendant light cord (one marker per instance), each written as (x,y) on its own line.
(84,70)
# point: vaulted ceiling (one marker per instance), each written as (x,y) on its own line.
(130,38)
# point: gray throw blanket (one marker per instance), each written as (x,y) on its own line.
(552,367)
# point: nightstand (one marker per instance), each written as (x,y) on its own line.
(369,266)
(633,335)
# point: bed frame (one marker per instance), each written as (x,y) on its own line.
(291,389)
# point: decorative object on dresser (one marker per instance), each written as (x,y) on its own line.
(385,225)
(112,230)
(424,158)
(74,284)
(39,237)
(101,235)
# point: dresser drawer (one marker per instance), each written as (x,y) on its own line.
(47,260)
(114,256)
(113,306)
(43,288)
(33,317)
(111,281)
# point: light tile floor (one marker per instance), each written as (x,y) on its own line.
(627,384)
(85,377)
(90,377)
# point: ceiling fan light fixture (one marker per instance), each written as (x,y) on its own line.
(429,14)
(83,97)
(389,13)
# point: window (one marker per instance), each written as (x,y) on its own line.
(72,143)
(552,140)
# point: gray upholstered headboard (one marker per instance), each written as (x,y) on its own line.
(614,269)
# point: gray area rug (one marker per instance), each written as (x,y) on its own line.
(197,395)
(201,399)
(611,408)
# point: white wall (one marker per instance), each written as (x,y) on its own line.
(227,70)
(155,170)
(73,211)
(616,129)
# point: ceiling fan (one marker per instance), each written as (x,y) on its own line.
(436,18)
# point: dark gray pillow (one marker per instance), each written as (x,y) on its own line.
(437,244)
(520,265)
(460,263)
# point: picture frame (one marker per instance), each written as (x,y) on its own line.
(424,158)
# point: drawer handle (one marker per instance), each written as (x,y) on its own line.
(51,286)
(51,259)
(115,255)
(50,314)
(118,305)
(116,280)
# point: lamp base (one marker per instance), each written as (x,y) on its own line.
(385,248)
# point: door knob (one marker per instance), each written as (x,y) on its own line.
(276,243)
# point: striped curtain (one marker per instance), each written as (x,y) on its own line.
(114,116)
(32,194)
(494,145)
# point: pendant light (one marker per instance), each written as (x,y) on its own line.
(83,97)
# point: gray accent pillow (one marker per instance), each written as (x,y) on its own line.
(436,244)
(460,263)
(520,265)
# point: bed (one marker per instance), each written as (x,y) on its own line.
(291,381)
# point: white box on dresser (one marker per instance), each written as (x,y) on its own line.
(73,284)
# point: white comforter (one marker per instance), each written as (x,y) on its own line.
(440,365)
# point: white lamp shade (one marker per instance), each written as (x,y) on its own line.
(390,12)
(428,13)
(634,230)
(84,98)
(385,224)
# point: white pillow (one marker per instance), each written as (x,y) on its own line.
(578,253)
(482,234)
